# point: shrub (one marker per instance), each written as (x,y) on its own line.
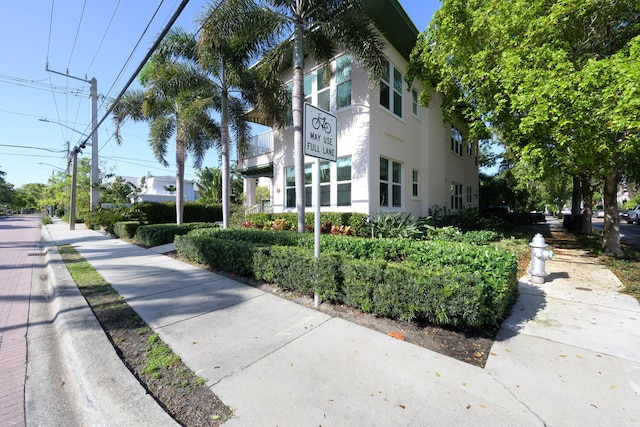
(160,234)
(126,229)
(46,220)
(393,225)
(228,255)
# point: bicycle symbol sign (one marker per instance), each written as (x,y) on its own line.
(319,133)
(321,121)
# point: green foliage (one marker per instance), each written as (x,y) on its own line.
(46,220)
(467,284)
(125,229)
(228,255)
(393,225)
(297,269)
(165,213)
(160,234)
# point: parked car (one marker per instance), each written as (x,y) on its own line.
(633,215)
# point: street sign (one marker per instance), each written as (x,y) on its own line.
(320,130)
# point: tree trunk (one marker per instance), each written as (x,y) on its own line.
(611,235)
(297,112)
(575,196)
(587,202)
(224,151)
(180,157)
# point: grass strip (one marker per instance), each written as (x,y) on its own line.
(175,387)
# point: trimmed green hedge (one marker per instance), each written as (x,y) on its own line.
(165,212)
(447,283)
(356,221)
(160,234)
(126,229)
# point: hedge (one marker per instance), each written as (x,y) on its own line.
(356,221)
(456,284)
(125,229)
(161,234)
(165,212)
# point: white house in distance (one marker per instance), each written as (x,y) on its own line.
(159,189)
(392,154)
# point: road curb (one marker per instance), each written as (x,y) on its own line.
(108,394)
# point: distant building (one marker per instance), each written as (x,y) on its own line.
(161,189)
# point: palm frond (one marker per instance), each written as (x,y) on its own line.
(160,131)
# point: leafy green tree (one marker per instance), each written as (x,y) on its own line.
(556,80)
(118,191)
(209,185)
(177,100)
(7,193)
(298,29)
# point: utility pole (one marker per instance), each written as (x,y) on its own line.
(95,180)
(93,95)
(72,208)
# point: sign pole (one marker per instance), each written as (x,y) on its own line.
(316,219)
(320,142)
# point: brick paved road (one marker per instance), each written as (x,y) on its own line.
(18,240)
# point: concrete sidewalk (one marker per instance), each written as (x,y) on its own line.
(278,363)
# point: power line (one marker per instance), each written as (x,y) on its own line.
(33,148)
(73,48)
(103,36)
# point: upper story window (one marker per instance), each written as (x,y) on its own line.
(343,81)
(391,90)
(327,92)
(470,148)
(456,141)
(414,103)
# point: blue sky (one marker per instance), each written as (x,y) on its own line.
(86,39)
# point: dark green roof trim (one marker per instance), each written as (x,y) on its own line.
(394,23)
(258,171)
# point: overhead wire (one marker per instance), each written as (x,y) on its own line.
(73,48)
(103,36)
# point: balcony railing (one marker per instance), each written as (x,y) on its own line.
(260,144)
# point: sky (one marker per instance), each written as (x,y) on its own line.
(40,110)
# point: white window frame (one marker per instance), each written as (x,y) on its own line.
(456,195)
(343,182)
(415,106)
(456,141)
(415,184)
(393,182)
(389,86)
(469,195)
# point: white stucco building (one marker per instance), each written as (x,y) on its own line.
(393,155)
(161,189)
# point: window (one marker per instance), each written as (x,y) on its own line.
(344,181)
(390,183)
(343,81)
(414,102)
(414,180)
(391,90)
(456,195)
(290,187)
(456,141)
(470,147)
(343,185)
(320,89)
(325,183)
(469,197)
(323,88)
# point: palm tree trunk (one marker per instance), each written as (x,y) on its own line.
(224,151)
(180,158)
(297,112)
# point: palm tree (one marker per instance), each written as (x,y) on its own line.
(226,57)
(176,101)
(288,30)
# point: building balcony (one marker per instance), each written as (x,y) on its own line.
(259,144)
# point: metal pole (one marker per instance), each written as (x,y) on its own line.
(316,219)
(72,209)
(95,197)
